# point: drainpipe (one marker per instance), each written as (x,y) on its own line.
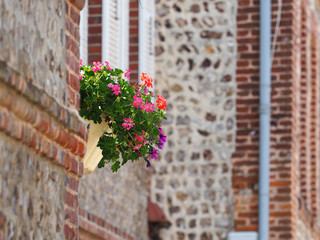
(264,148)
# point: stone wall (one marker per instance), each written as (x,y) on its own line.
(117,199)
(32,193)
(33,35)
(195,71)
(42,137)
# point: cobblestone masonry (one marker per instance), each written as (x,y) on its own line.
(120,199)
(195,71)
(33,200)
(33,35)
(42,134)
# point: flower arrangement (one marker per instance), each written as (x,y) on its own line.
(134,121)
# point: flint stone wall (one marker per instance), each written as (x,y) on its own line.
(195,71)
(32,41)
(120,199)
(32,193)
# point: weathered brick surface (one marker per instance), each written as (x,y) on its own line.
(294,95)
(32,193)
(195,70)
(94,31)
(119,199)
(133,41)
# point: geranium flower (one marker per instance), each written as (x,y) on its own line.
(115,89)
(97,66)
(108,66)
(149,107)
(127,74)
(161,103)
(138,101)
(128,123)
(146,79)
(81,75)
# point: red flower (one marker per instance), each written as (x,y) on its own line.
(146,79)
(161,103)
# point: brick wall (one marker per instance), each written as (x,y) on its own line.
(134,41)
(94,31)
(42,138)
(294,91)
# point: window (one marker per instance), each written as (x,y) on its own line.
(84,34)
(146,37)
(115,33)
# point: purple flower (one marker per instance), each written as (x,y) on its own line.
(162,139)
(154,154)
(148,164)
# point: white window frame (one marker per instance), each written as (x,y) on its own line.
(123,33)
(84,34)
(146,43)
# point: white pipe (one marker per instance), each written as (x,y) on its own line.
(264,148)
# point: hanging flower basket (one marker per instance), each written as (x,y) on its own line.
(124,122)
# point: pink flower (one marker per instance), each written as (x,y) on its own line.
(140,139)
(138,101)
(127,74)
(149,107)
(97,66)
(128,124)
(146,90)
(115,89)
(81,75)
(81,62)
(138,93)
(108,65)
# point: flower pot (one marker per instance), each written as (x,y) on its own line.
(93,154)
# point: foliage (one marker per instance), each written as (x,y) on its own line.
(134,121)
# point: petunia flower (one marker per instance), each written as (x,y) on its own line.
(154,154)
(162,139)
